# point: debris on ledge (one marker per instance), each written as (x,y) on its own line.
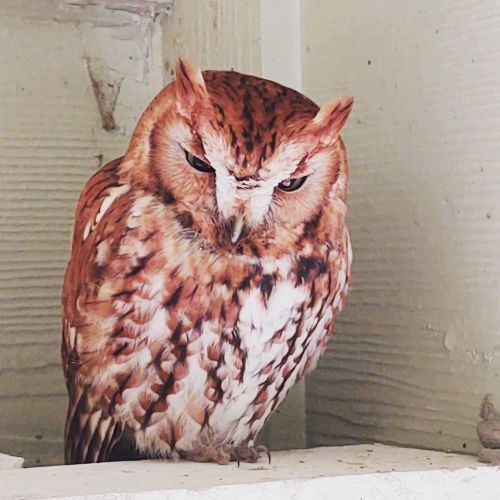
(488,432)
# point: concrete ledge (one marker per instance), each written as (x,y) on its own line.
(347,472)
(10,462)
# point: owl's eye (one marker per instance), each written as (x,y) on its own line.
(289,185)
(198,164)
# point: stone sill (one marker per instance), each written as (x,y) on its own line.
(345,472)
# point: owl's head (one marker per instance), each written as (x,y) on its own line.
(243,161)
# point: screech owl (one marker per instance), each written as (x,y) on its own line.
(207,267)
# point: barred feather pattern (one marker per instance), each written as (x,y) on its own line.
(173,332)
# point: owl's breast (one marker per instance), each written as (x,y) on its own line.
(282,330)
(206,348)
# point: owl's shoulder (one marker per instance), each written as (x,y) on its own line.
(98,228)
(99,193)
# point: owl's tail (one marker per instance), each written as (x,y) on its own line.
(90,434)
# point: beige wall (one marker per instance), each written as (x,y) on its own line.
(419,342)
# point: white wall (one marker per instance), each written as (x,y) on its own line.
(419,342)
(214,34)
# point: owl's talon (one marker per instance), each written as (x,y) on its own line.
(264,449)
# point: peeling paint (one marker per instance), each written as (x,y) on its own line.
(114,13)
(106,89)
(104,13)
(142,8)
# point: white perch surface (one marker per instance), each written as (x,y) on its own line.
(347,472)
(10,462)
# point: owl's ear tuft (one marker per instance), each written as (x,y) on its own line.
(190,85)
(332,116)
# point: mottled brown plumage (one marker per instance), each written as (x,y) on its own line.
(206,269)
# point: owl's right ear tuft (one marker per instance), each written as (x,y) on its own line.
(332,117)
(190,86)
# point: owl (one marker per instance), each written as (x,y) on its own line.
(207,267)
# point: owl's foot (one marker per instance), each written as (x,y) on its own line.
(227,453)
(250,454)
(219,454)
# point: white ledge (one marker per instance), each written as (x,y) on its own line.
(10,462)
(346,472)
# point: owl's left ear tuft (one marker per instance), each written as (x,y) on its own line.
(332,117)
(190,85)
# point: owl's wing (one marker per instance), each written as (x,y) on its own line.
(90,430)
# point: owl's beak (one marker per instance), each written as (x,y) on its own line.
(236,228)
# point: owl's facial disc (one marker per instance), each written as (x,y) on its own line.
(234,226)
(256,159)
(242,204)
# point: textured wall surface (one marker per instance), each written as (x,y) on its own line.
(51,141)
(214,34)
(419,341)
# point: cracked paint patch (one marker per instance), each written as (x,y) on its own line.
(106,88)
